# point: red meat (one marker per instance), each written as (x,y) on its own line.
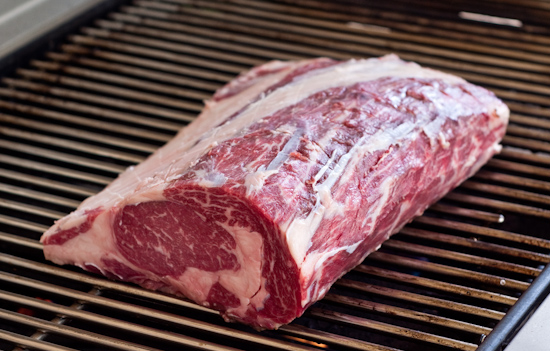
(292,174)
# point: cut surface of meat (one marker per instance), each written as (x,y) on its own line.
(292,174)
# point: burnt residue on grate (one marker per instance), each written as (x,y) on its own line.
(113,91)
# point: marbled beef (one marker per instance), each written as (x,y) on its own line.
(291,175)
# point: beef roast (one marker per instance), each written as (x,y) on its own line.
(291,175)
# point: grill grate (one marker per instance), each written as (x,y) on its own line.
(72,118)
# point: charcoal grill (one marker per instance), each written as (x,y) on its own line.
(106,90)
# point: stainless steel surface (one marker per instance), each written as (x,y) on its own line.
(534,335)
(22,21)
(74,117)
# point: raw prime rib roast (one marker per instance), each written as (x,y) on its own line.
(291,175)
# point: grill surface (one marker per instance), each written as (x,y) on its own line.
(108,95)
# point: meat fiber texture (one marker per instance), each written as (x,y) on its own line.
(292,174)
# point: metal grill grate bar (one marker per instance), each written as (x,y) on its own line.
(47,183)
(514,180)
(401,312)
(33,194)
(44,167)
(101,112)
(461,257)
(518,167)
(501,205)
(140,50)
(143,62)
(64,117)
(112,78)
(30,342)
(109,89)
(484,278)
(475,229)
(68,132)
(127,69)
(59,156)
(71,332)
(436,284)
(475,243)
(468,212)
(389,328)
(420,299)
(513,193)
(111,322)
(336,339)
(102,100)
(14,205)
(530,121)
